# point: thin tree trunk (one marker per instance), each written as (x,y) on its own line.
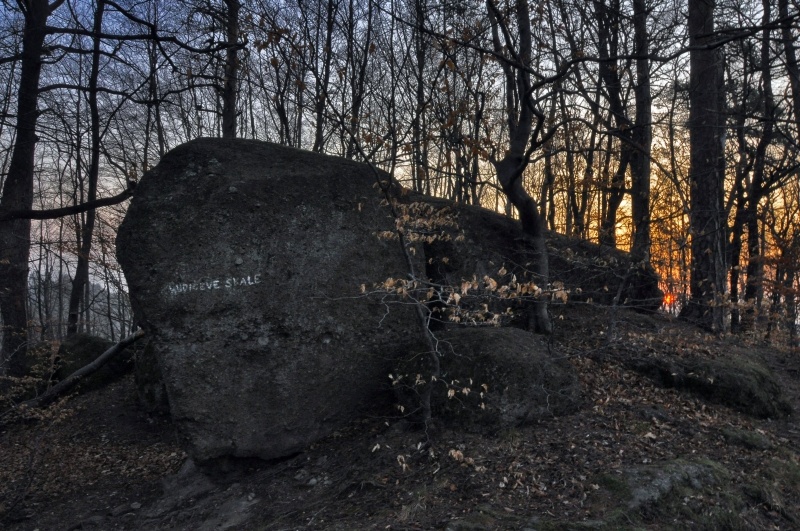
(231,85)
(642,136)
(418,124)
(789,44)
(609,27)
(323,82)
(81,279)
(754,283)
(615,194)
(358,73)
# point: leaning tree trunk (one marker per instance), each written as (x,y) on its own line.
(509,169)
(510,177)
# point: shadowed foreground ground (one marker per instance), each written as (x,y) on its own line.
(636,456)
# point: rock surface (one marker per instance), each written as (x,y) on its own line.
(495,378)
(244,261)
(580,270)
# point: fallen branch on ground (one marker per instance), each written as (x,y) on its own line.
(73,379)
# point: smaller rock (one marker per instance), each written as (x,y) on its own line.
(639,487)
(492,378)
(747,439)
(96,520)
(742,384)
(181,489)
(120,510)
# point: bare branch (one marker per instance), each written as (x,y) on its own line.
(55,213)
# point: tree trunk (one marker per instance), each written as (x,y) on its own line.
(81,279)
(420,139)
(15,236)
(324,80)
(707,138)
(754,285)
(609,28)
(358,66)
(642,136)
(789,44)
(509,173)
(615,193)
(230,87)
(737,231)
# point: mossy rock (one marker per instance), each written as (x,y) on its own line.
(747,439)
(739,383)
(643,494)
(691,494)
(588,271)
(79,350)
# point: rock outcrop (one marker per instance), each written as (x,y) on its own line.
(742,383)
(245,261)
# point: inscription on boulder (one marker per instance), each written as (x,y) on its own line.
(176,288)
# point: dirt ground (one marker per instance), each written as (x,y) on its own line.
(98,462)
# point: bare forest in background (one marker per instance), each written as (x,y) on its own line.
(662,127)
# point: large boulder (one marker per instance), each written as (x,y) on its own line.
(244,261)
(270,279)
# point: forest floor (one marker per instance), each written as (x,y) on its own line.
(636,456)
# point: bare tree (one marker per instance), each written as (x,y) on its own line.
(15,235)
(81,279)
(526,132)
